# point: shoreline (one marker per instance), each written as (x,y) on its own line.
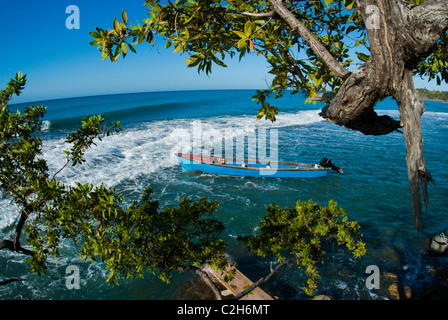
(433,95)
(434,99)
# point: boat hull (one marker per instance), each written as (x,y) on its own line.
(233,167)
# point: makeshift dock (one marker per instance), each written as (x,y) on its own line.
(239,283)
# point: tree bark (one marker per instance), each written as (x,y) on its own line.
(411,107)
(15,245)
(8,244)
(309,38)
(400,35)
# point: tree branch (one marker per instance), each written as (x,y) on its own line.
(8,281)
(310,40)
(433,11)
(269,14)
(423,28)
(8,244)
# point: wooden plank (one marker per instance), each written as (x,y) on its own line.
(238,283)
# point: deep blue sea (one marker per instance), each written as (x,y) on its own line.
(373,190)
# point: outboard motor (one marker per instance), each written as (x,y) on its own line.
(326,163)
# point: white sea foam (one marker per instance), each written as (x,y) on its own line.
(8,213)
(46,124)
(150,147)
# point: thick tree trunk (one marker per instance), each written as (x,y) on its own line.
(400,35)
(411,107)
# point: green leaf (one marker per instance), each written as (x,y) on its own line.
(363,57)
(124,17)
(124,48)
(95,35)
(359,42)
(117,26)
(248,28)
(192,61)
(240,34)
(242,43)
(132,48)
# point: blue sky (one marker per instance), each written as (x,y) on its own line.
(60,63)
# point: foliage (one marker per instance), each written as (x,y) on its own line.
(160,241)
(140,237)
(210,31)
(129,240)
(302,232)
(433,95)
(436,65)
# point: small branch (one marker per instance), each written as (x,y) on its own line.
(269,14)
(297,70)
(8,244)
(8,281)
(62,168)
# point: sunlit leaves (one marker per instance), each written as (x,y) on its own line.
(81,139)
(436,65)
(50,211)
(119,37)
(305,232)
(209,32)
(128,239)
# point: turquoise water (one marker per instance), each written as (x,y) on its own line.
(373,188)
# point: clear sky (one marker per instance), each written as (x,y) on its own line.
(60,63)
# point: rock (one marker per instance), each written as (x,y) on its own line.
(394,292)
(390,277)
(439,245)
(431,272)
(407,292)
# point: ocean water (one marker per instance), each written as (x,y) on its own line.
(373,190)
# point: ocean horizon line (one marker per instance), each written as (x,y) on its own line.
(156,91)
(129,93)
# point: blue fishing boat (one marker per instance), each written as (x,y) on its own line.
(251,168)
